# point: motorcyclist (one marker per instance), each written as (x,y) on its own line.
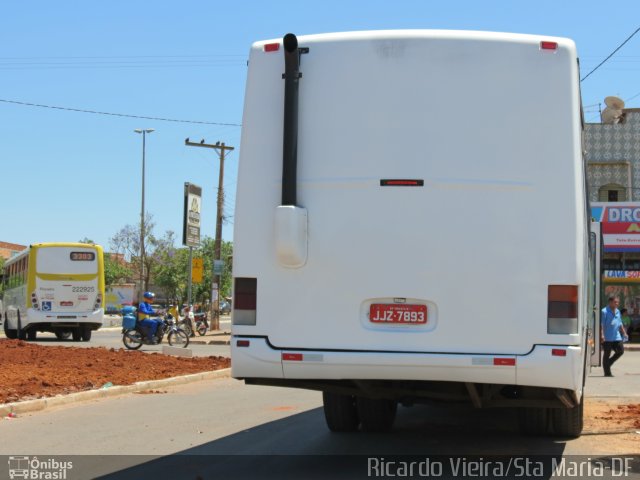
(144,313)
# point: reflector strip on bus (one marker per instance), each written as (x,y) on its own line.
(504,361)
(292,357)
(491,361)
(300,357)
(401,183)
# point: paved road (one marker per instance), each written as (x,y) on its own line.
(112,338)
(225,429)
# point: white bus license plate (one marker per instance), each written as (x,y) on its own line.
(393,313)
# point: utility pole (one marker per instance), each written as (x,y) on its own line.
(220,149)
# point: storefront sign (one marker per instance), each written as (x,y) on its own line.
(620,225)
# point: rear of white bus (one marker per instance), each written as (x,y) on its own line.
(65,290)
(436,245)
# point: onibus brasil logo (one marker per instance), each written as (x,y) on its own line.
(33,468)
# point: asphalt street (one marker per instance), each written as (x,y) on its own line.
(111,337)
(225,429)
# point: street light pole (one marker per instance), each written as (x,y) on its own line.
(144,137)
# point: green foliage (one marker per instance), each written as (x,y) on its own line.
(167,267)
(115,271)
(127,242)
(170,271)
(174,270)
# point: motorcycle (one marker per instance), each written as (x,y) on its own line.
(202,323)
(183,322)
(134,335)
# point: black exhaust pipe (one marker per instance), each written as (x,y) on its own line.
(290,141)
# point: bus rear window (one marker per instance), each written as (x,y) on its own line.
(66,260)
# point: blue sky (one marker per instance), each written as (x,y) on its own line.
(67,175)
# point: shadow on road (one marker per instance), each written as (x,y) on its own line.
(300,446)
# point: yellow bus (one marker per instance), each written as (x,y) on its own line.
(54,287)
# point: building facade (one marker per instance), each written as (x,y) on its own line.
(612,152)
(8,250)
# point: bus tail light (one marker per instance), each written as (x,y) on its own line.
(272,47)
(244,301)
(562,309)
(98,303)
(34,301)
(544,45)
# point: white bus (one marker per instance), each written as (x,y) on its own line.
(411,225)
(54,287)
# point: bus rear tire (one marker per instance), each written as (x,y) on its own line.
(32,334)
(22,333)
(568,422)
(85,333)
(376,414)
(76,334)
(10,333)
(340,412)
(534,420)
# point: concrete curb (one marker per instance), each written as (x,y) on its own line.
(210,342)
(43,403)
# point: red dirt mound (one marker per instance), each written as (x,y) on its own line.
(34,371)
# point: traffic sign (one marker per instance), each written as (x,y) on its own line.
(197,270)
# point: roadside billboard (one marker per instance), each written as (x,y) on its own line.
(192,207)
(118,296)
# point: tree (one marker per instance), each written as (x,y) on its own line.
(172,271)
(115,270)
(207,252)
(169,270)
(127,242)
(167,266)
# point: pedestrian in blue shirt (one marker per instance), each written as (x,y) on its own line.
(612,334)
(144,312)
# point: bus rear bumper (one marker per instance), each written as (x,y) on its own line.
(38,317)
(538,368)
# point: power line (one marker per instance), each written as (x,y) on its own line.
(635,96)
(131,61)
(69,109)
(92,57)
(610,55)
